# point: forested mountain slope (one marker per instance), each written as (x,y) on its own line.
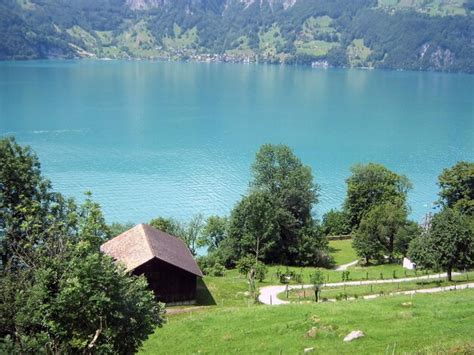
(395,34)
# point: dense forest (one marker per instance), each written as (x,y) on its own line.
(392,34)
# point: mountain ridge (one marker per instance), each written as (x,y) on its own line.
(391,34)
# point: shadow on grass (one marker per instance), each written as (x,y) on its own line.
(203,295)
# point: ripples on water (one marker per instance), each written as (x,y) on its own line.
(175,139)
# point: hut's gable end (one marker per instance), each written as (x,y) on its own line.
(169,283)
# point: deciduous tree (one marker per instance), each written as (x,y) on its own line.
(335,223)
(189,232)
(214,232)
(371,185)
(449,243)
(457,187)
(254,226)
(376,235)
(59,294)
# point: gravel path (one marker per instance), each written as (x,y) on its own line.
(423,290)
(268,294)
(344,267)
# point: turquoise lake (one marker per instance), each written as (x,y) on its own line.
(175,139)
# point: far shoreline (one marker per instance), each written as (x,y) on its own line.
(256,63)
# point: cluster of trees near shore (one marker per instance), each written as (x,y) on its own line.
(59,294)
(274,222)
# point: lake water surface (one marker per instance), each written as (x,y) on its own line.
(175,139)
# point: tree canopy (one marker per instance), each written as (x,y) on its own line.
(274,221)
(457,187)
(289,184)
(189,232)
(448,243)
(371,185)
(384,231)
(59,294)
(214,232)
(254,227)
(335,223)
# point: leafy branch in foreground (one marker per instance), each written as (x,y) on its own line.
(58,293)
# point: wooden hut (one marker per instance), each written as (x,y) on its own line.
(166,262)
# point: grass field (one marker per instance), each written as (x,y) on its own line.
(231,290)
(231,323)
(430,7)
(356,273)
(437,323)
(362,290)
(342,251)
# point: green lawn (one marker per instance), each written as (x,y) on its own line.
(362,290)
(231,290)
(223,291)
(356,273)
(342,251)
(433,323)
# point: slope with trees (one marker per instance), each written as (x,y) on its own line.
(337,33)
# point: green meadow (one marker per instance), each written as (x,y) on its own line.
(435,323)
(224,320)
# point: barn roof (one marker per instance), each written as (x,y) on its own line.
(142,243)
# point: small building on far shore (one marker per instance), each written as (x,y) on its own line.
(165,260)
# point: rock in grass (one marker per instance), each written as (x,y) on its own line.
(312,332)
(355,334)
(407,304)
(308,350)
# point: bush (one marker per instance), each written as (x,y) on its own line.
(210,265)
(247,263)
(216,270)
(84,305)
(205,263)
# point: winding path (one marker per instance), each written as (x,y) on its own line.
(268,294)
(344,267)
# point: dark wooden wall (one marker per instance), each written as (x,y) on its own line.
(169,283)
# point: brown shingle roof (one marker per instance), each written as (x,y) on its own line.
(143,243)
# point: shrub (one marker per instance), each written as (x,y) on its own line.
(216,270)
(247,263)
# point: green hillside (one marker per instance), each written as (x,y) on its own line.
(393,34)
(425,324)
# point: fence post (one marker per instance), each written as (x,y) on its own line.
(271,300)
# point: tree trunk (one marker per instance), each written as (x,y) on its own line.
(448,272)
(390,254)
